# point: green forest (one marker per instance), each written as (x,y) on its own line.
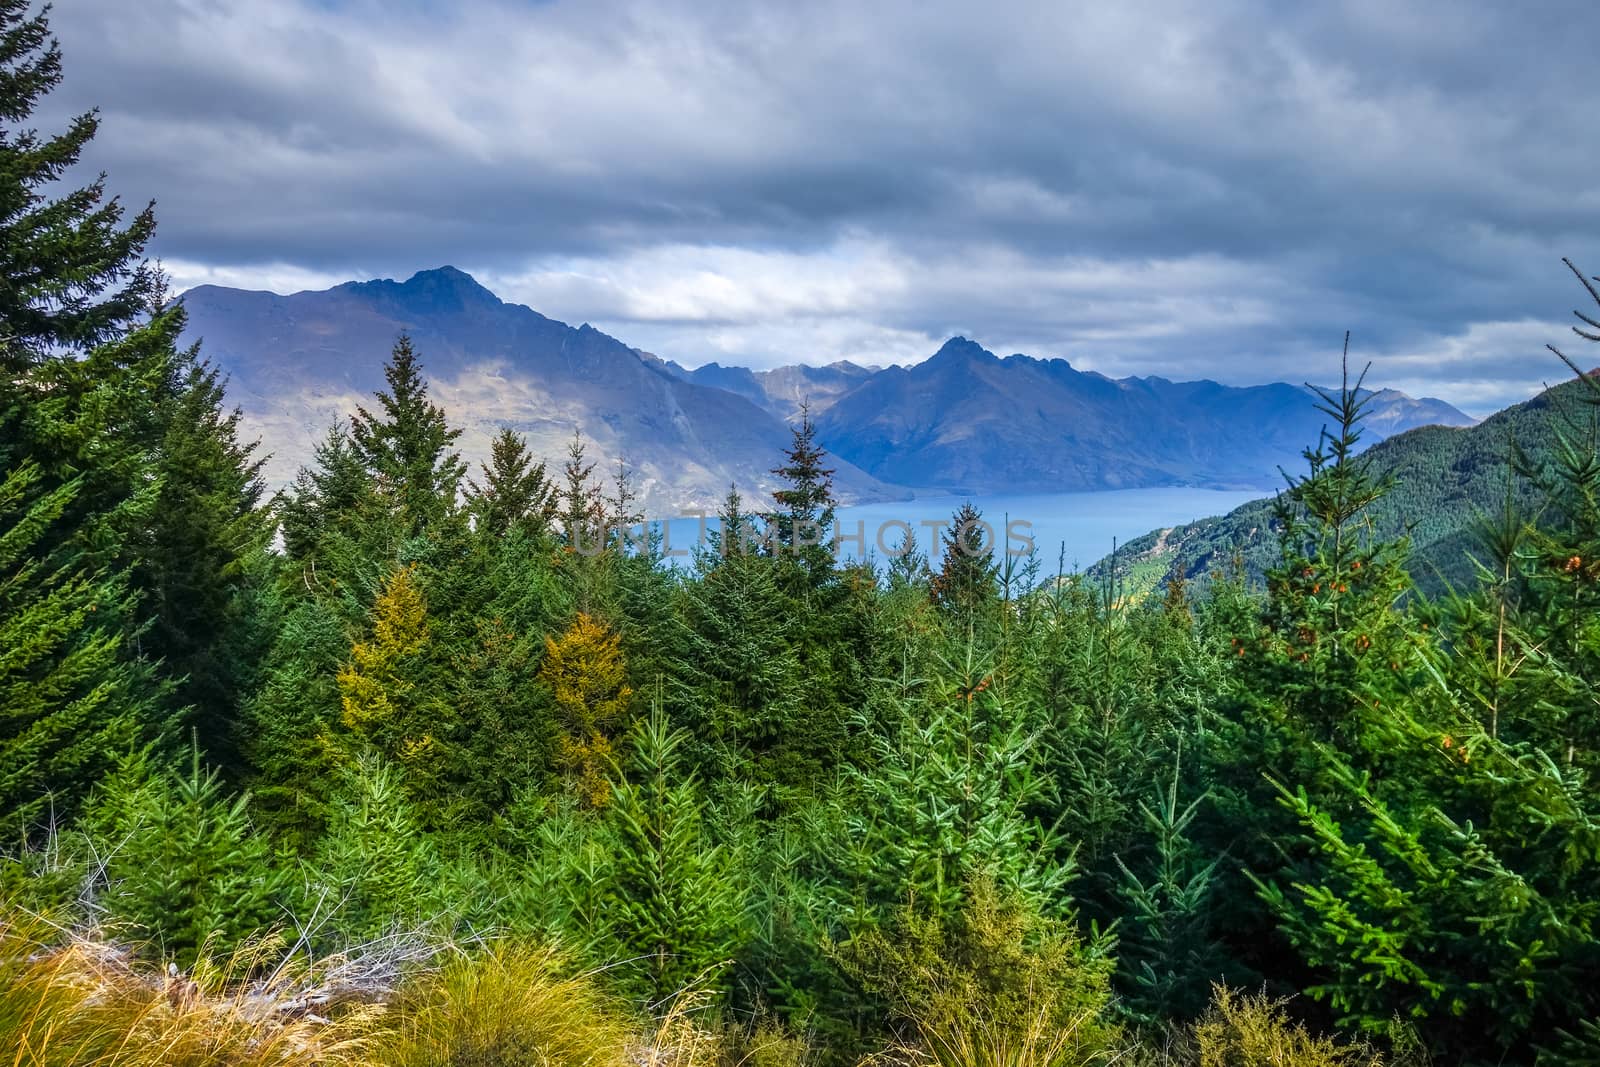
(388,768)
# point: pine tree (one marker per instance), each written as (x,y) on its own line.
(508,734)
(1167,951)
(516,492)
(801,528)
(582,512)
(329,508)
(88,369)
(1469,911)
(407,446)
(742,668)
(201,567)
(375,865)
(290,721)
(68,705)
(1334,653)
(676,897)
(388,689)
(1329,676)
(586,674)
(908,567)
(621,508)
(965,583)
(183,865)
(1436,870)
(101,419)
(736,533)
(952,794)
(73,270)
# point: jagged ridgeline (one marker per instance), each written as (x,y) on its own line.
(1448,482)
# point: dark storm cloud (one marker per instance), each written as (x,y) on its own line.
(1168,188)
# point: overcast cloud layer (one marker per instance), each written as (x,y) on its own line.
(1193,190)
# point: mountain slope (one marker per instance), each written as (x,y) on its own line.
(963,420)
(1445,478)
(783,390)
(968,421)
(295,362)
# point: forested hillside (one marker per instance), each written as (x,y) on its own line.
(1448,489)
(413,765)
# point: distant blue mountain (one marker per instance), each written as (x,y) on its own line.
(297,361)
(966,420)
(962,420)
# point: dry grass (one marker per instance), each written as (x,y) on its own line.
(73,1000)
(508,1006)
(1246,1031)
(687,1035)
(68,1001)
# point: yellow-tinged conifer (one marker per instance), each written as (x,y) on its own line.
(374,684)
(585,672)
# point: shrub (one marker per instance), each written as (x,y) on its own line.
(1245,1031)
(1000,986)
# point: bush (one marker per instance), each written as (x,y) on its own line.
(1001,986)
(1245,1031)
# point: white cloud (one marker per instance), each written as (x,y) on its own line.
(282,278)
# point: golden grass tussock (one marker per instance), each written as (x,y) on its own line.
(74,1001)
(507,1005)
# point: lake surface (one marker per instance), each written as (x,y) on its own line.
(1074,528)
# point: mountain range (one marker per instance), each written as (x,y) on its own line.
(963,420)
(296,362)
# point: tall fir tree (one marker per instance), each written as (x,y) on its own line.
(326,510)
(740,668)
(517,493)
(621,505)
(391,691)
(201,570)
(1334,653)
(801,527)
(965,583)
(737,530)
(586,674)
(407,446)
(582,511)
(86,369)
(69,704)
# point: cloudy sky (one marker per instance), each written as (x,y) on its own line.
(1193,190)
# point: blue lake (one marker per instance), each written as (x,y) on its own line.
(1075,528)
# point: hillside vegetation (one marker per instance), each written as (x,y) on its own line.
(413,764)
(1450,486)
